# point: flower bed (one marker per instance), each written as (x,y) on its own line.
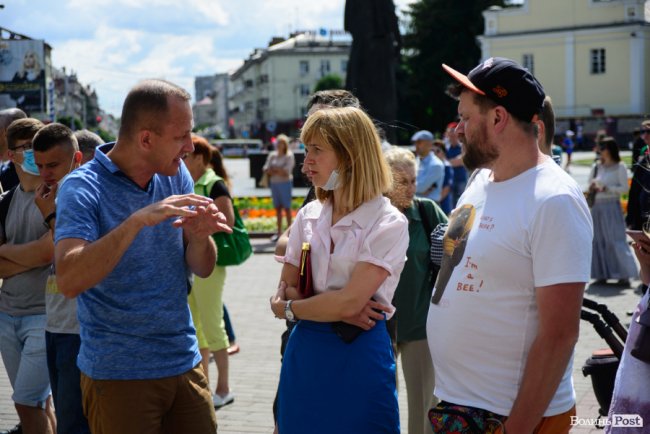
(259,215)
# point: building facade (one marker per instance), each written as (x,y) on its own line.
(211,107)
(592,56)
(270,90)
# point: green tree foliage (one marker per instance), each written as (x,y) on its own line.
(439,31)
(105,135)
(328,82)
(70,122)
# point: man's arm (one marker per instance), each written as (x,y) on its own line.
(80,265)
(37,253)
(9,268)
(457,161)
(559,321)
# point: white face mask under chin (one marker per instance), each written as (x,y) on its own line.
(332,182)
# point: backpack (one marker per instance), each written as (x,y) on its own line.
(4,207)
(234,248)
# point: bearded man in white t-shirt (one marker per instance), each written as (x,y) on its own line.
(505,312)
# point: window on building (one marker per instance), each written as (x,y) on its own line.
(263,102)
(305,90)
(304,67)
(344,66)
(248,105)
(324,67)
(248,84)
(264,78)
(528,62)
(598,61)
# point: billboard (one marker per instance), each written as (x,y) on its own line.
(22,75)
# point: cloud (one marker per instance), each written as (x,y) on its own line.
(167,9)
(112,44)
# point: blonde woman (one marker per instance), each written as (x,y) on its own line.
(279,167)
(333,379)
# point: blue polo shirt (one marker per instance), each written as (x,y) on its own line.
(134,324)
(430,171)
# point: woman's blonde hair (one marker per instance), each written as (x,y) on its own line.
(282,138)
(363,173)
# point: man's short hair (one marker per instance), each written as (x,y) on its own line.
(7,116)
(22,129)
(52,135)
(333,98)
(146,106)
(645,124)
(88,141)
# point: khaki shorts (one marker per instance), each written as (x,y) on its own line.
(171,405)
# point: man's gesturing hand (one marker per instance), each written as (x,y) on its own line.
(206,221)
(174,206)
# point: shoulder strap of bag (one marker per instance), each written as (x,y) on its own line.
(4,207)
(207,188)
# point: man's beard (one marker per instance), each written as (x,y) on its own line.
(478,153)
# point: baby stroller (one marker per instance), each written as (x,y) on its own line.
(602,364)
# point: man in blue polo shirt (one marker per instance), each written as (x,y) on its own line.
(455,156)
(431,171)
(129,232)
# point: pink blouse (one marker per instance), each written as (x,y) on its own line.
(376,232)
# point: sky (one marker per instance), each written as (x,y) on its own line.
(112,44)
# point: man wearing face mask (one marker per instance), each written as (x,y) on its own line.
(26,253)
(8,177)
(57,153)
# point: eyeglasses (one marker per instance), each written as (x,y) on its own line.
(22,148)
(645,131)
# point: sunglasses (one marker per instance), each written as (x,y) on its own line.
(645,131)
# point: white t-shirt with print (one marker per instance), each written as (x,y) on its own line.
(527,232)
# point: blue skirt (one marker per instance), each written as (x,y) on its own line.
(328,386)
(281,194)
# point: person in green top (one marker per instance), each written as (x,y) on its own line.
(413,293)
(206,297)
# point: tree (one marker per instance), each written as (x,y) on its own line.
(70,122)
(439,31)
(328,82)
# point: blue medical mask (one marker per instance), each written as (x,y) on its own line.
(332,182)
(29,165)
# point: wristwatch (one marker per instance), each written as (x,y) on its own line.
(288,313)
(48,219)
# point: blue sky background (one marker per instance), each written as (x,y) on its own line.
(112,44)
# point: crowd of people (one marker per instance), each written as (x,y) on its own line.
(389,250)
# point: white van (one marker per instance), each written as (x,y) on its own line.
(239,147)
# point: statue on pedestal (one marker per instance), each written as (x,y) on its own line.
(376,44)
